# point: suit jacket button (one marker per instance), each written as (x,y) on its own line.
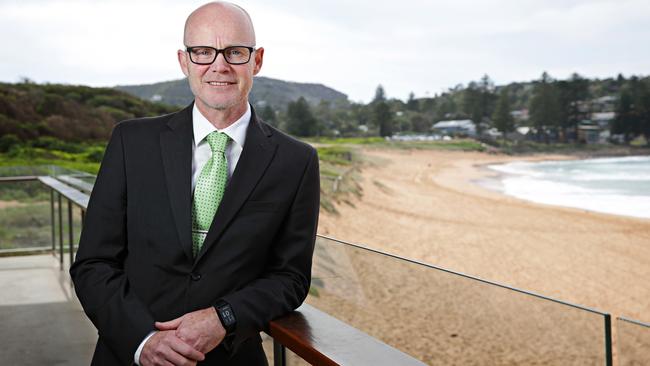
(195,276)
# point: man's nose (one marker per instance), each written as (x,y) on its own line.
(220,64)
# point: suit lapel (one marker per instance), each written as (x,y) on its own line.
(176,148)
(255,157)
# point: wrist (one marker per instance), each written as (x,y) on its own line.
(226,316)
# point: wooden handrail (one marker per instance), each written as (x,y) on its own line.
(323,340)
(77,197)
(76,183)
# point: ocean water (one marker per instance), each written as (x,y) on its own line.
(618,186)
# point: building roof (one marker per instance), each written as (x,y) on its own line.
(606,99)
(459,123)
(603,116)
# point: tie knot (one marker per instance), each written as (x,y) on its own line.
(217,141)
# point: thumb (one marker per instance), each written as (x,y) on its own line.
(169,325)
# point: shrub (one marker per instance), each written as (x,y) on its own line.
(8,141)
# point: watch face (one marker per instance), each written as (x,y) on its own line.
(227,317)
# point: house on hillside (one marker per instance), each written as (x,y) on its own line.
(604,104)
(603,119)
(589,132)
(520,115)
(464,127)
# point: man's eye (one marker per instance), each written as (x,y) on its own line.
(203,52)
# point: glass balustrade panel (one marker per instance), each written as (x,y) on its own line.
(443,318)
(633,342)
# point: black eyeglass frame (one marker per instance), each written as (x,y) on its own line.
(218,51)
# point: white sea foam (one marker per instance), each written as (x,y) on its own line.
(612,185)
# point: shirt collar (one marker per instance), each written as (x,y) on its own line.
(236,131)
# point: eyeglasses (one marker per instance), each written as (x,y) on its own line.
(234,55)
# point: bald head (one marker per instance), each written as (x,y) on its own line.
(220,14)
(220,87)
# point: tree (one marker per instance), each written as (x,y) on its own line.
(300,120)
(487,97)
(381,114)
(626,122)
(419,123)
(642,105)
(268,115)
(545,106)
(572,93)
(471,102)
(501,117)
(633,110)
(380,94)
(478,102)
(383,119)
(412,103)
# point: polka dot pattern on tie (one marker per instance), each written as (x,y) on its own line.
(209,189)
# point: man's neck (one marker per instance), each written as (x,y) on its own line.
(222,118)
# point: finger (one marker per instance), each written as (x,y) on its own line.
(158,360)
(169,325)
(186,350)
(177,359)
(165,363)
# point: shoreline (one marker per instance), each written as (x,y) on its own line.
(493,180)
(423,205)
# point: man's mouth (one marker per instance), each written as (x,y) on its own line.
(220,83)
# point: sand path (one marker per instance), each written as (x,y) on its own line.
(424,205)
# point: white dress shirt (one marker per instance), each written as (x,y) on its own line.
(201,153)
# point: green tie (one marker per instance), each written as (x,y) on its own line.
(209,189)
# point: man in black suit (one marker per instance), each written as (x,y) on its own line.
(156,293)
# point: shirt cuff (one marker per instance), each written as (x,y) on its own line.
(136,357)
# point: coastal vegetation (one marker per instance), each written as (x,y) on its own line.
(68,125)
(550,110)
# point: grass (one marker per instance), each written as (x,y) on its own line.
(456,145)
(29,225)
(25,226)
(25,216)
(339,166)
(453,145)
(346,140)
(338,155)
(86,159)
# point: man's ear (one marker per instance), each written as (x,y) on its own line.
(259,59)
(182,60)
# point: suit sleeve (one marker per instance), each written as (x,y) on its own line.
(98,272)
(286,280)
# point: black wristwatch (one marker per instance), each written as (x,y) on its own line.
(226,315)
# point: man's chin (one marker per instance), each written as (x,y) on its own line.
(224,105)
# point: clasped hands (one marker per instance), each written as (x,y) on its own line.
(184,340)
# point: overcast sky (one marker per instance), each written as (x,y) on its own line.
(351,46)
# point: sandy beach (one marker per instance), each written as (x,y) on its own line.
(426,205)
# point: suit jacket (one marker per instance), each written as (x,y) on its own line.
(135,265)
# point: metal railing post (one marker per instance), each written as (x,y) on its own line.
(279,354)
(60,232)
(52,222)
(70,232)
(609,359)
